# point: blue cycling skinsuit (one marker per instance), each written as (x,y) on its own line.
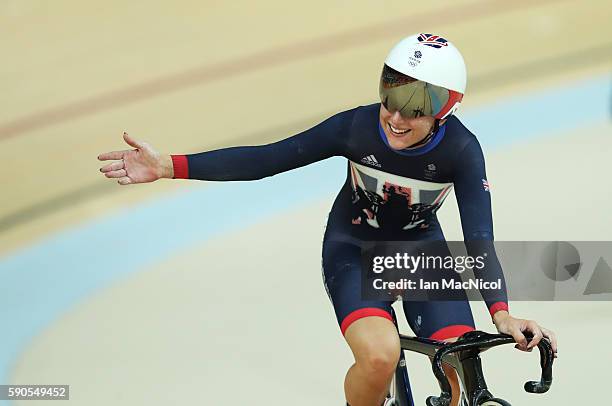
(388,195)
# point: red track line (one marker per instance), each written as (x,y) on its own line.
(265,59)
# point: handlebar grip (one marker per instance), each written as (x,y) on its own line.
(537,387)
(438,401)
(546,361)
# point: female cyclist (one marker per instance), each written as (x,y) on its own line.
(404,156)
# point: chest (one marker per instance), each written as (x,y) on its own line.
(385,186)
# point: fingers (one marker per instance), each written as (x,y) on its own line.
(521,341)
(537,334)
(115,166)
(116,170)
(124,181)
(131,141)
(553,339)
(114,155)
(116,174)
(517,327)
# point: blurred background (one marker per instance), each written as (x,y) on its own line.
(203,293)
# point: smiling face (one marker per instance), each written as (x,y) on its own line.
(404,132)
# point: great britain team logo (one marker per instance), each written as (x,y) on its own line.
(485,185)
(431,40)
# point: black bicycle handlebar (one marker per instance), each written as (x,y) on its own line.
(479,341)
(547,358)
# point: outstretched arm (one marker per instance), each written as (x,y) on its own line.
(255,162)
(143,164)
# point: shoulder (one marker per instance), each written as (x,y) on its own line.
(368,111)
(363,117)
(463,139)
(344,121)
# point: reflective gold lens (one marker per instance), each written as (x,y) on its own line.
(412,98)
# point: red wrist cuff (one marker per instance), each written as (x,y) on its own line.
(181,166)
(497,307)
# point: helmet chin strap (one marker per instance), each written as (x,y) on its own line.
(434,130)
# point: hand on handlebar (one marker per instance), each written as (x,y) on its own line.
(506,324)
(139,165)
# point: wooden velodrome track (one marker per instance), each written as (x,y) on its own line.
(190,76)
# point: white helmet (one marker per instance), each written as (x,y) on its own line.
(424,74)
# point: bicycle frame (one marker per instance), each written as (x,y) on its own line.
(464,357)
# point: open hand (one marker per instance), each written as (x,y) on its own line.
(507,324)
(139,165)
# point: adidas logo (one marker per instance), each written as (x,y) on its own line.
(370,160)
